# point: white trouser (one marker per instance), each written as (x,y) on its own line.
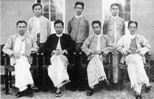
(136,71)
(57,71)
(23,75)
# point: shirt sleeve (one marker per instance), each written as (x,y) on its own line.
(85,47)
(8,47)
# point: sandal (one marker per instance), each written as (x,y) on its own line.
(35,88)
(59,94)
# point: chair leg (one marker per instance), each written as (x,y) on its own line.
(10,78)
(109,76)
(148,72)
(64,88)
(6,82)
(120,81)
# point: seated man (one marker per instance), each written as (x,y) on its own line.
(95,47)
(19,47)
(133,48)
(59,46)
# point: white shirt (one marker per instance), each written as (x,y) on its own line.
(20,45)
(115,28)
(133,36)
(98,47)
(37,24)
(114,17)
(59,44)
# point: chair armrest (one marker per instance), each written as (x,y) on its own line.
(6,59)
(147,57)
(108,58)
(148,53)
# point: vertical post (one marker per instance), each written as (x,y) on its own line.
(64,14)
(10,74)
(49,10)
(6,76)
(38,1)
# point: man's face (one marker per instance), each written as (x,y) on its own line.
(114,10)
(96,28)
(37,10)
(132,28)
(58,28)
(78,9)
(21,27)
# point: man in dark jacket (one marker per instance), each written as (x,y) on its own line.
(59,46)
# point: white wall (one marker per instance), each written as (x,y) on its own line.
(11,12)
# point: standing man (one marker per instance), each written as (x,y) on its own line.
(114,27)
(59,46)
(78,29)
(39,26)
(19,47)
(133,48)
(96,47)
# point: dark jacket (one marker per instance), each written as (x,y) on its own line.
(52,42)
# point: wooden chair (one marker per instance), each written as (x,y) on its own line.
(9,69)
(123,68)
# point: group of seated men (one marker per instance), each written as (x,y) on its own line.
(60,47)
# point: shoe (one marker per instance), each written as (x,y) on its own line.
(116,86)
(19,94)
(108,85)
(26,92)
(35,88)
(138,97)
(148,88)
(90,92)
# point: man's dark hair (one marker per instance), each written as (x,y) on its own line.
(96,21)
(132,22)
(58,21)
(36,4)
(21,21)
(114,4)
(79,3)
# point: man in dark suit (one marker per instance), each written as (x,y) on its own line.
(59,46)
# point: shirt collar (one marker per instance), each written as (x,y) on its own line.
(37,17)
(114,17)
(98,35)
(21,37)
(133,36)
(78,16)
(59,35)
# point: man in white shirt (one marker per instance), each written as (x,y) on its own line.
(114,27)
(96,47)
(19,47)
(39,26)
(133,48)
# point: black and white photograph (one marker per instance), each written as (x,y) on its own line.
(77,49)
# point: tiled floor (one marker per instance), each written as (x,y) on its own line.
(100,93)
